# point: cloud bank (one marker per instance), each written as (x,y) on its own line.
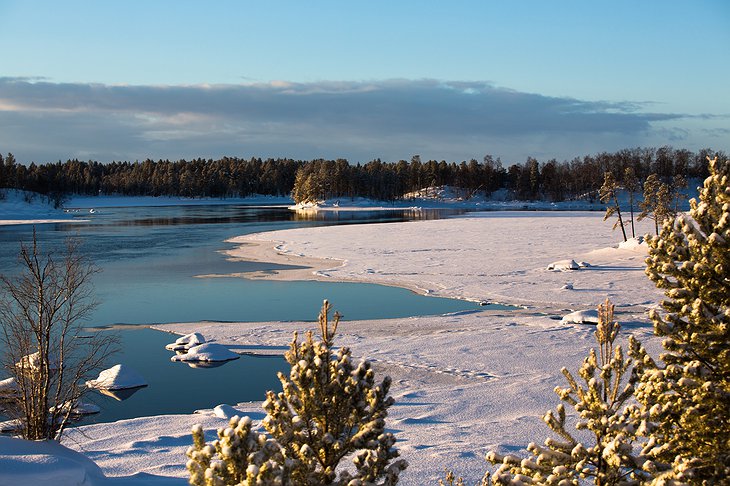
(392,119)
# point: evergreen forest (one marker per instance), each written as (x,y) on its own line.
(311,180)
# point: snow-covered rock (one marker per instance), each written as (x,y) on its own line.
(206,352)
(186,342)
(32,361)
(8,386)
(118,377)
(589,316)
(80,408)
(563,265)
(225,411)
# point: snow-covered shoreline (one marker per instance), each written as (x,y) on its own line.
(463,383)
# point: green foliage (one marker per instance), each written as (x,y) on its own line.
(686,396)
(330,409)
(324,179)
(608,195)
(657,203)
(450,479)
(601,405)
(238,456)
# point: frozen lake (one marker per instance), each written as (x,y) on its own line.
(150,256)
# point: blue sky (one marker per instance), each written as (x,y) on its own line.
(446,80)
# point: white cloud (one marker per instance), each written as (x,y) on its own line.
(389,119)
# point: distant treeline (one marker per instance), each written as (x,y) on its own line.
(323,179)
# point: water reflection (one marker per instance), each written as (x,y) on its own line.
(179,389)
(374,216)
(120,395)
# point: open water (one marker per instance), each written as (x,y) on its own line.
(149,258)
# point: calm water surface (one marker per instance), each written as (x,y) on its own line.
(149,257)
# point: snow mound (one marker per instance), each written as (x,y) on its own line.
(118,377)
(186,342)
(225,411)
(36,463)
(8,386)
(206,352)
(633,244)
(563,265)
(589,316)
(80,408)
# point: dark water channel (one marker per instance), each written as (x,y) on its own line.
(149,257)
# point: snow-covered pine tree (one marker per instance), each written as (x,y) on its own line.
(686,396)
(608,195)
(657,203)
(601,405)
(239,456)
(330,409)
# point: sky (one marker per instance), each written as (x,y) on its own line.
(451,81)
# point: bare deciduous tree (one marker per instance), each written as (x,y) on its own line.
(45,349)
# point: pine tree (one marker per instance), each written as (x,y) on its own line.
(330,409)
(608,194)
(239,456)
(686,396)
(657,203)
(601,405)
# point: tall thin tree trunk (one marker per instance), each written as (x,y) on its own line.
(631,209)
(620,221)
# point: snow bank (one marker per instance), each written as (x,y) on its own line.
(21,207)
(463,383)
(118,377)
(497,257)
(34,463)
(206,352)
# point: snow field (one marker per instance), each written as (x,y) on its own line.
(464,383)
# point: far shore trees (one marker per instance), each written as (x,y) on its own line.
(310,180)
(45,350)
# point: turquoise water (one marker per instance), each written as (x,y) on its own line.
(149,258)
(178,388)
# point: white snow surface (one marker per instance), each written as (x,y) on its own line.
(206,352)
(118,377)
(464,383)
(20,207)
(43,463)
(589,316)
(186,342)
